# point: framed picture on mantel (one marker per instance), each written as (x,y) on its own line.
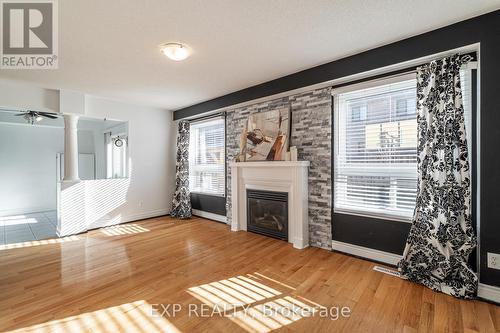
(268,135)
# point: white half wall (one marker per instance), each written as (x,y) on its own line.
(149,189)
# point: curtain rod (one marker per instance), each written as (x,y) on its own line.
(214,115)
(407,70)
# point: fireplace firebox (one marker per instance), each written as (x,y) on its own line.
(267,213)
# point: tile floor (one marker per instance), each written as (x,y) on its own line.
(28,227)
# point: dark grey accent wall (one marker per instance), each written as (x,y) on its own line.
(209,203)
(378,234)
(483,29)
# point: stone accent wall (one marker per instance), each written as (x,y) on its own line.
(312,135)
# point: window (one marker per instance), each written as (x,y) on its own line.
(375,155)
(375,162)
(206,157)
(116,155)
(356,113)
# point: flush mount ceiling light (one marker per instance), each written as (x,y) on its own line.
(175,51)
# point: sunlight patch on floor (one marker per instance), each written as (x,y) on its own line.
(130,317)
(10,221)
(39,242)
(116,230)
(251,302)
(125,229)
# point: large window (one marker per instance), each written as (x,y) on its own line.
(206,157)
(375,162)
(375,148)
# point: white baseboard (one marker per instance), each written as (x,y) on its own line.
(485,291)
(24,211)
(211,216)
(365,252)
(147,215)
(106,222)
(488,292)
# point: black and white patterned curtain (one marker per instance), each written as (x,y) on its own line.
(181,204)
(441,236)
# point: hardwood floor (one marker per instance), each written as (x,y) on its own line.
(133,278)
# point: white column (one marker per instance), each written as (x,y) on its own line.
(71,147)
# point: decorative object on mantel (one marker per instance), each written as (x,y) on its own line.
(267,135)
(293,154)
(287,156)
(181,203)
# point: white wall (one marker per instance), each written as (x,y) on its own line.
(86,143)
(91,141)
(28,167)
(24,96)
(27,153)
(71,101)
(146,193)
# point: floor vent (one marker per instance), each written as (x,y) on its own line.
(386,270)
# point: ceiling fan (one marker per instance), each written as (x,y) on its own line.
(33,117)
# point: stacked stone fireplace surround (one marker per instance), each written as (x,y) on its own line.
(311,133)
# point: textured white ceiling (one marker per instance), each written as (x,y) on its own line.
(110,48)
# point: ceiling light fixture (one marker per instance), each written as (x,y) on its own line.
(33,117)
(175,51)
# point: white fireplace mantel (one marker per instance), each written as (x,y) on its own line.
(280,176)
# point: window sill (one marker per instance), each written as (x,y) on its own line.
(374,216)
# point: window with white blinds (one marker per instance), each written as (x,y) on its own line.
(206,157)
(375,161)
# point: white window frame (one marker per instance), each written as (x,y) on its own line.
(222,118)
(384,81)
(406,170)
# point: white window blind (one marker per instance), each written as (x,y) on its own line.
(375,161)
(375,148)
(206,157)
